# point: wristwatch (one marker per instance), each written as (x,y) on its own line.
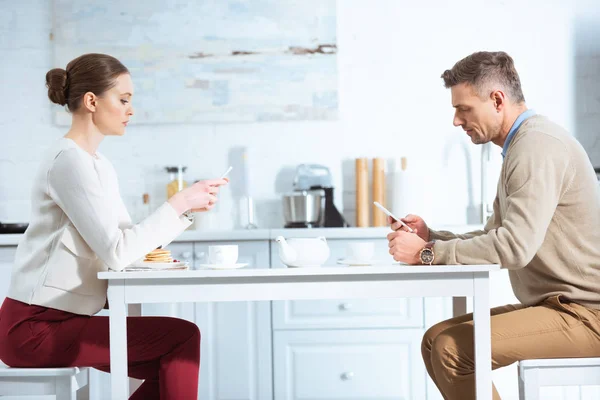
(427,255)
(189,215)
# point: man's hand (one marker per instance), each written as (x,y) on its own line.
(415,222)
(405,246)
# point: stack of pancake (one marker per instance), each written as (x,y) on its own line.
(158,256)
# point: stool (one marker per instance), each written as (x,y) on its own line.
(533,374)
(61,382)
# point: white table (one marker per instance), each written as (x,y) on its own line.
(395,281)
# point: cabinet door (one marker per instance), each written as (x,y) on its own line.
(348,365)
(347,313)
(236,338)
(7,258)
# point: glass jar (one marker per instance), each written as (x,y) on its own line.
(176,181)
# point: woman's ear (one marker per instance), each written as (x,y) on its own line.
(89,101)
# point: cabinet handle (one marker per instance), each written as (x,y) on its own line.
(345,306)
(347,376)
(186,255)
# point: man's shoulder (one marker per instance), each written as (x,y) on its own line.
(539,134)
(540,127)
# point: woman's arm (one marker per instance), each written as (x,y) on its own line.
(74,184)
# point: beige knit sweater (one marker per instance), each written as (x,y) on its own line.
(546,223)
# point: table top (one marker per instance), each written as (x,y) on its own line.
(287,272)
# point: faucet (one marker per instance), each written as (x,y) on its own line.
(486,208)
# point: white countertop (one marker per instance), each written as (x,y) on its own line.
(10,239)
(271,234)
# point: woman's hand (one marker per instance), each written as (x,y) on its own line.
(199,197)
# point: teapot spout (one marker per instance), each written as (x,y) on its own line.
(287,254)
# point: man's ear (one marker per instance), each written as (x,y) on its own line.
(90,101)
(499,99)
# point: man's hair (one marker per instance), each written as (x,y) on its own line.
(484,69)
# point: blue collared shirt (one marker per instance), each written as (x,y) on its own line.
(520,119)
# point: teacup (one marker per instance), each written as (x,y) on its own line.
(360,251)
(223,255)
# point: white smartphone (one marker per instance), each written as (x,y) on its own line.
(226,172)
(387,212)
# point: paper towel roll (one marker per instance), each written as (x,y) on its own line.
(401,200)
(362,192)
(379,218)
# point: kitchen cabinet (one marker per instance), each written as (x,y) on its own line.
(361,364)
(348,348)
(236,336)
(7,256)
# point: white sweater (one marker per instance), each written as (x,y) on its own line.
(80,226)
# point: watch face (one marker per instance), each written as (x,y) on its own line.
(426,256)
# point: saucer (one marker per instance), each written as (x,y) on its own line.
(222,266)
(358,263)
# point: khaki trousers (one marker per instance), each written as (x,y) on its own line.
(555,328)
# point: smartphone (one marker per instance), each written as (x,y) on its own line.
(387,212)
(226,172)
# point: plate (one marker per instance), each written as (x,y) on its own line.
(222,266)
(358,263)
(140,265)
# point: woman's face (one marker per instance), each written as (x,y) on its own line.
(113,108)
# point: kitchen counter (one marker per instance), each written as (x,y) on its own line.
(270,234)
(11,239)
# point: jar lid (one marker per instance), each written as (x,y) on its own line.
(174,170)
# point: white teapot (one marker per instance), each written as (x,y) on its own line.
(303,252)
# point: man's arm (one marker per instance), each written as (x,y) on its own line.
(492,223)
(535,181)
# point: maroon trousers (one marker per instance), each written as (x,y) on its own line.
(164,352)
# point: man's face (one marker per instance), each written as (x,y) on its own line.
(478,117)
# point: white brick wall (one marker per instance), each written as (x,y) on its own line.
(392,103)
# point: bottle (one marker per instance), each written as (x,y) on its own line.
(146,211)
(176,181)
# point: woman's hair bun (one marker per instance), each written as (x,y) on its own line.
(56,82)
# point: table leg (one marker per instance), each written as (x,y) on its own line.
(134,310)
(118,340)
(482,336)
(459,306)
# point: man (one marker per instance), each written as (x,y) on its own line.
(545,230)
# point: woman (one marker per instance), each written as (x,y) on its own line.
(79,226)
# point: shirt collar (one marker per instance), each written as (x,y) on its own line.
(515,127)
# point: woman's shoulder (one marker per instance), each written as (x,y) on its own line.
(70,157)
(68,152)
(66,161)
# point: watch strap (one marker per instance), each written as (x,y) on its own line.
(189,215)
